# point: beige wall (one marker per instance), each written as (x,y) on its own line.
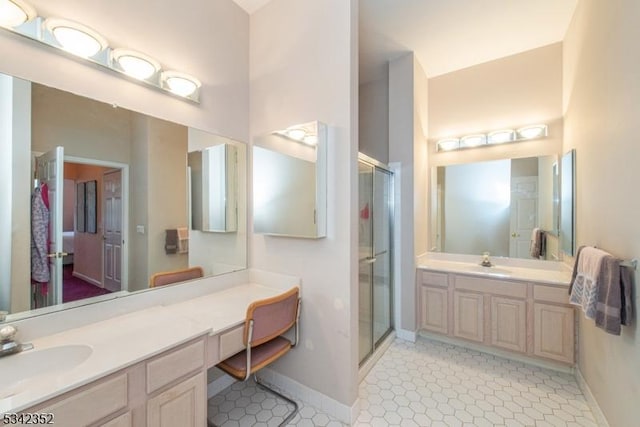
(510,92)
(313,76)
(602,101)
(373,119)
(138,206)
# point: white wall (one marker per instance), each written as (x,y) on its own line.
(408,95)
(373,118)
(304,68)
(518,90)
(602,103)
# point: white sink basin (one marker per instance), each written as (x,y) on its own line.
(19,371)
(490,271)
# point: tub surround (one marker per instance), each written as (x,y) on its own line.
(549,272)
(122,340)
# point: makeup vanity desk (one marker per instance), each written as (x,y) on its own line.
(146,368)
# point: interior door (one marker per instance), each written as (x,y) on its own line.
(50,171)
(524,215)
(112,237)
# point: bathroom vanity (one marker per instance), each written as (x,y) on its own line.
(146,368)
(520,308)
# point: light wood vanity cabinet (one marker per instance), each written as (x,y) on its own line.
(526,318)
(166,390)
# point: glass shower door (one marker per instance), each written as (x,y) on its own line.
(375,231)
(365,259)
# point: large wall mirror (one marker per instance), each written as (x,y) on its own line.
(567,205)
(494,206)
(117,186)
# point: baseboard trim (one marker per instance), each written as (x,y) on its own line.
(406,335)
(87,279)
(373,359)
(601,420)
(343,413)
(558,367)
(217,385)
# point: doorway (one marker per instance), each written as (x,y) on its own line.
(375,218)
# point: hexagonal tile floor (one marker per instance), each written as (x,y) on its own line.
(429,383)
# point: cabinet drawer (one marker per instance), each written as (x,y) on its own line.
(434,279)
(170,367)
(232,342)
(492,286)
(91,405)
(551,294)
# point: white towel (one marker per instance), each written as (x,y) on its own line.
(584,290)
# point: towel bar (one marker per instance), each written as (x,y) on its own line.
(631,263)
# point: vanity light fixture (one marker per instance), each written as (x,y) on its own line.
(501,136)
(76,38)
(135,64)
(302,133)
(20,18)
(310,139)
(473,140)
(180,83)
(296,133)
(448,144)
(15,12)
(531,132)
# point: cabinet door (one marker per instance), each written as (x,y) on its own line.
(182,405)
(123,420)
(553,332)
(508,324)
(468,311)
(433,309)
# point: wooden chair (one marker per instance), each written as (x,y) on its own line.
(264,325)
(168,277)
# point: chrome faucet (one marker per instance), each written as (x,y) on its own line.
(8,343)
(486,262)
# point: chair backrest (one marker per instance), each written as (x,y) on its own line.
(271,317)
(168,277)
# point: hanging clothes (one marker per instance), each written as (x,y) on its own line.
(40,234)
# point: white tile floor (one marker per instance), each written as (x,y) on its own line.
(428,383)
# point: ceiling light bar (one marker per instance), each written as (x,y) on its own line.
(14,13)
(501,136)
(20,18)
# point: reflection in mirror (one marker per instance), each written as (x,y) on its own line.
(111,188)
(290,182)
(494,206)
(567,208)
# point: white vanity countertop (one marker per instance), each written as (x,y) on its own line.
(558,274)
(126,340)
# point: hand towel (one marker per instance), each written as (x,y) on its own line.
(584,289)
(609,305)
(626,284)
(171,241)
(536,243)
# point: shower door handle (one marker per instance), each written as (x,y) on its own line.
(369,260)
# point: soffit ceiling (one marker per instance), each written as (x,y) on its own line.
(449,35)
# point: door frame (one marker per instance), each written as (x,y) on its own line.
(124,168)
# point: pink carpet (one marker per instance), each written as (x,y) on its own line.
(74,289)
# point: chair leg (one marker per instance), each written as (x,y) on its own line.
(292,402)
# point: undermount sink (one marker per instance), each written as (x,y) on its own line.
(492,271)
(20,371)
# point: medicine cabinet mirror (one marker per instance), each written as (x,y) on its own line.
(290,182)
(567,204)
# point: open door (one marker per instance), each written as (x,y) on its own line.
(112,237)
(524,215)
(50,171)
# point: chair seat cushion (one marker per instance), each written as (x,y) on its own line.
(261,356)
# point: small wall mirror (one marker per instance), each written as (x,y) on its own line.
(213,184)
(567,203)
(290,182)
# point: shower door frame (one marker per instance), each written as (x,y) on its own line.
(390,205)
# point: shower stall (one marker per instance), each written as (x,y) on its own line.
(375,218)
